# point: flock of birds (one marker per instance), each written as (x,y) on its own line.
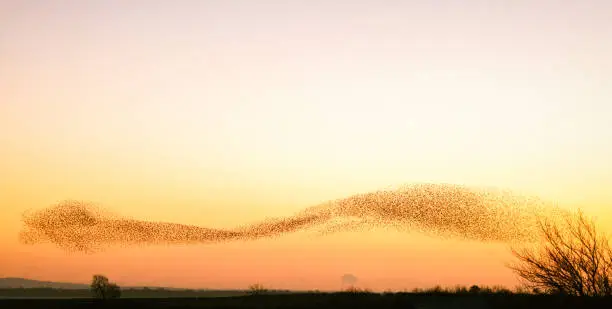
(441,210)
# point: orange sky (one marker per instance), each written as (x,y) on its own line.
(224,113)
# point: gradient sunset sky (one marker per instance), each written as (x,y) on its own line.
(221,113)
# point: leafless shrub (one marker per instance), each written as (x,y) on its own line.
(573,259)
(257,289)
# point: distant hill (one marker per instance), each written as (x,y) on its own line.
(7,283)
(29,283)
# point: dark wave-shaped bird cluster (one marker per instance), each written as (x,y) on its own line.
(441,210)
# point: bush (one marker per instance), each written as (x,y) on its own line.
(355,290)
(257,289)
(101,288)
(574,259)
(474,289)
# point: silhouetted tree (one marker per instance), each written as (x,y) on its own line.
(574,259)
(474,289)
(103,289)
(257,289)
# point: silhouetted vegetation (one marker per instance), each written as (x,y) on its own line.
(101,288)
(574,259)
(257,289)
(356,290)
(430,298)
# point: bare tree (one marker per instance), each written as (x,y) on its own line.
(103,289)
(257,289)
(573,259)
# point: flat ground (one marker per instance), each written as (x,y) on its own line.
(321,301)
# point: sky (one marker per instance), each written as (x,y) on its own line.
(221,113)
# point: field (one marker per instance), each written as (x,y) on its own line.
(50,293)
(320,301)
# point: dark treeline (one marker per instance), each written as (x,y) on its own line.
(48,292)
(483,298)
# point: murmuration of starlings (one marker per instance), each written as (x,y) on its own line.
(439,210)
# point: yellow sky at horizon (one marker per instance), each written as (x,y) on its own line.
(223,113)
